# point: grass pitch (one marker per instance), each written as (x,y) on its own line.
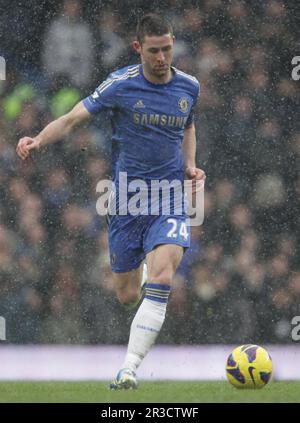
(148,392)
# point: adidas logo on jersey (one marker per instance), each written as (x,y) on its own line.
(139,104)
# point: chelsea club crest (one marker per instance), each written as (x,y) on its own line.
(183,104)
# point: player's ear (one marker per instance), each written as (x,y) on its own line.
(137,46)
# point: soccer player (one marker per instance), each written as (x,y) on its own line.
(152,112)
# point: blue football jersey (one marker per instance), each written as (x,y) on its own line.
(148,121)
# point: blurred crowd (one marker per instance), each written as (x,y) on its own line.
(240,280)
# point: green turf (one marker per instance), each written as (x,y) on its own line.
(148,392)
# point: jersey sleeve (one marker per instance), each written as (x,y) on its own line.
(103,98)
(191,117)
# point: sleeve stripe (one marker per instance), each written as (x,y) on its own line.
(131,73)
(192,78)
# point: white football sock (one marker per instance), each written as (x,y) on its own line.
(146,324)
(145,274)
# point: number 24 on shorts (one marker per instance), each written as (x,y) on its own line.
(173,232)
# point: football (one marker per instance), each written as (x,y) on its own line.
(249,367)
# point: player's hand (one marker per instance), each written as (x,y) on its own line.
(197,176)
(25,145)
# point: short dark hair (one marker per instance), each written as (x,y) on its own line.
(152,24)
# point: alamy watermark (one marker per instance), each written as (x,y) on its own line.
(296,329)
(157,197)
(296,69)
(2,69)
(2,329)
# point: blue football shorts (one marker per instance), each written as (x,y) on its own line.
(131,238)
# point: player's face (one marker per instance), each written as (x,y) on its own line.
(157,54)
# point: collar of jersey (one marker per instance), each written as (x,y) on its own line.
(159,85)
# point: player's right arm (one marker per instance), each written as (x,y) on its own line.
(104,97)
(54,131)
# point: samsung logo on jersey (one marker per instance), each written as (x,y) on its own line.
(159,120)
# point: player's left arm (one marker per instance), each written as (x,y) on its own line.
(189,153)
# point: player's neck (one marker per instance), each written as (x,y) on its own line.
(164,79)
